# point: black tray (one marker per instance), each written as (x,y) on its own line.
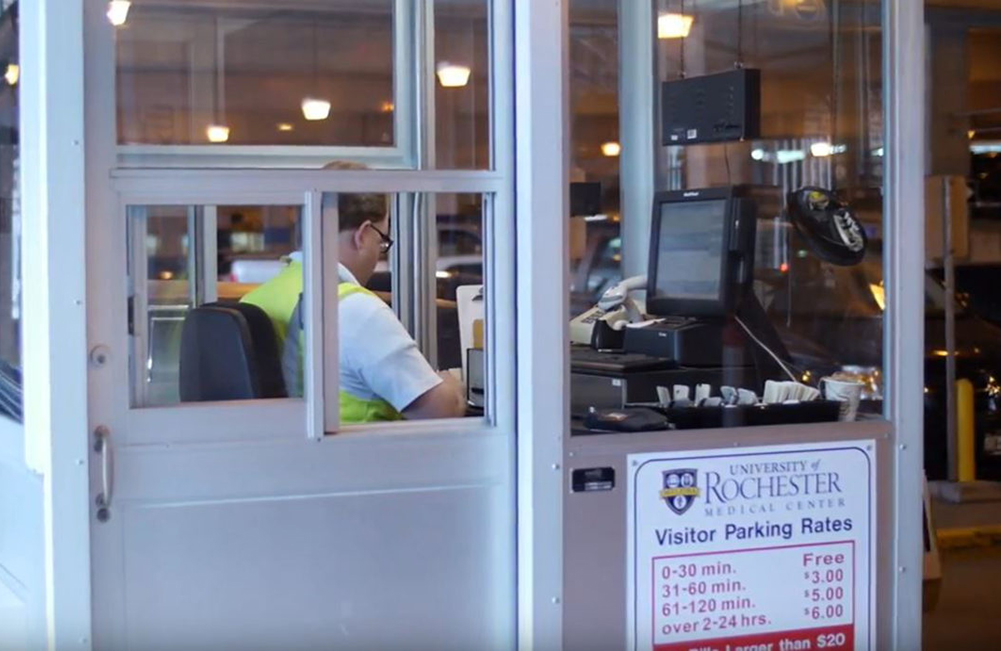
(816,411)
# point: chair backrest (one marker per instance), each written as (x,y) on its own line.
(229,351)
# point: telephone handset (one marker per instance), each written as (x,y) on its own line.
(614,310)
(828,225)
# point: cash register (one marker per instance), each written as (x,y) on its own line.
(701,323)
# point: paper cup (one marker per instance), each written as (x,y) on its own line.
(848,393)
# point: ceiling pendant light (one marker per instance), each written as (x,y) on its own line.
(825,149)
(12,74)
(674,26)
(118,12)
(315,109)
(611,149)
(218,132)
(451,75)
(821,149)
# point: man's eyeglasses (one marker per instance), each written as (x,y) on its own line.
(387,241)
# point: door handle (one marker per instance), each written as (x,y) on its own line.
(102,446)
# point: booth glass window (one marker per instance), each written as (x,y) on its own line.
(437,332)
(336,85)
(217,312)
(462,84)
(241,85)
(212,258)
(811,168)
(10,217)
(763,297)
(595,215)
(199,73)
(963,199)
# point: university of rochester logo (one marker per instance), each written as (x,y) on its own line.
(680,489)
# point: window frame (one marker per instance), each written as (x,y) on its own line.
(319,417)
(402,155)
(414,90)
(177,175)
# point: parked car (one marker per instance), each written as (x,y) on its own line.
(841,310)
(976,289)
(985,186)
(599,269)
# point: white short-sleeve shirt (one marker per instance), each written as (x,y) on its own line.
(378,357)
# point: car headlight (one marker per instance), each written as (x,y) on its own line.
(992,387)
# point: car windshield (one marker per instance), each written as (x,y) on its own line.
(607,267)
(811,287)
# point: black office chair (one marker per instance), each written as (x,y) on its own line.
(229,351)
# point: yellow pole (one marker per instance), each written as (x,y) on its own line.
(965,431)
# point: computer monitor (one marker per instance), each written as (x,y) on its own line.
(701,251)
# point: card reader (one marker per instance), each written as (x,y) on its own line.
(723,107)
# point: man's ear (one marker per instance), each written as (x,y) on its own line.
(356,237)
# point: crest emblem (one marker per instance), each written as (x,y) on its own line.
(680,489)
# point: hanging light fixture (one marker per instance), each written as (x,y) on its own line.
(611,149)
(824,149)
(12,74)
(118,12)
(451,75)
(315,109)
(821,149)
(674,25)
(218,132)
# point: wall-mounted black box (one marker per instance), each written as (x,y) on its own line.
(722,107)
(585,199)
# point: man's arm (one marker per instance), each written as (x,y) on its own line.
(376,346)
(445,400)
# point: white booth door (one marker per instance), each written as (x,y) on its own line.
(268,523)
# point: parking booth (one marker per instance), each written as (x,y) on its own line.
(701,430)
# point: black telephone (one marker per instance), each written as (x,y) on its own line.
(828,225)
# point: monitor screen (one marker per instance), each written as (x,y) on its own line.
(690,250)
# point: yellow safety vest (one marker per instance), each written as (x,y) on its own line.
(280,298)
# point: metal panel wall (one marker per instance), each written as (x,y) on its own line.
(55,328)
(22,562)
(595,522)
(904,215)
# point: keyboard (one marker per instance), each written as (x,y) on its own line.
(585,359)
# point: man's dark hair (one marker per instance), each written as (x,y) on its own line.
(353,210)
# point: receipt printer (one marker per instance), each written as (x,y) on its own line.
(689,342)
